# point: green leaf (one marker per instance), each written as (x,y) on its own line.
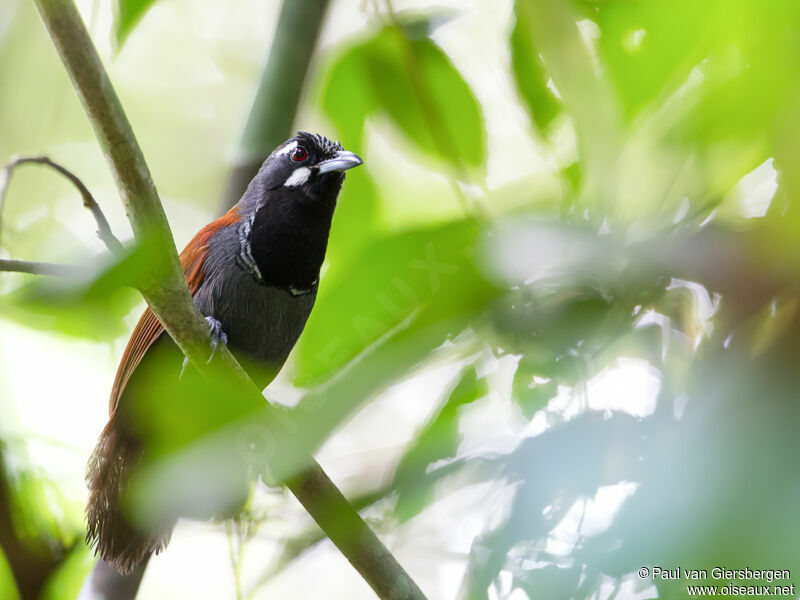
(420,25)
(438,439)
(92,308)
(8,587)
(67,580)
(389,281)
(413,82)
(127,15)
(347,96)
(530,395)
(550,581)
(650,47)
(529,70)
(573,174)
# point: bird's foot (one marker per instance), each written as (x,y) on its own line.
(218,336)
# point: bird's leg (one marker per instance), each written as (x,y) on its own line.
(218,336)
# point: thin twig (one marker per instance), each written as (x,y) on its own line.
(42,268)
(235,558)
(103,228)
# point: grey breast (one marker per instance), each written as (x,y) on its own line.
(261,321)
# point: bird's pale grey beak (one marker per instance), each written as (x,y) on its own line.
(342,161)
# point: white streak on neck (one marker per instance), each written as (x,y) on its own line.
(299,177)
(286,149)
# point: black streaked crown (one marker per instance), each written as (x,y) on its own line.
(325,147)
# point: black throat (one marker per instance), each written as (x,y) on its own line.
(289,237)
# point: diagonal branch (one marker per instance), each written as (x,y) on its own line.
(168,296)
(103,228)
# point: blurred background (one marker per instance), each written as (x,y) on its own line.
(556,337)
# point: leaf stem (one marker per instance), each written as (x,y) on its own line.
(41,268)
(103,228)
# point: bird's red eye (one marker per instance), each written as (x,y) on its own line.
(299,154)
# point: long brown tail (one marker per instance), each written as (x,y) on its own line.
(109,532)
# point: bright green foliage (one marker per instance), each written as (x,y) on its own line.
(428,270)
(413,83)
(532,395)
(66,582)
(437,440)
(127,15)
(529,72)
(7,587)
(92,307)
(629,300)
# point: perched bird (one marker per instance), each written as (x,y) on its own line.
(253,273)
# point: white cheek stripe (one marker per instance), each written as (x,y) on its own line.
(286,149)
(299,177)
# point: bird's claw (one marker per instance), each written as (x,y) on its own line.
(218,336)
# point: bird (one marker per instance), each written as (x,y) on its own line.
(253,273)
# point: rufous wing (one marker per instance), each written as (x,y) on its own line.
(149,328)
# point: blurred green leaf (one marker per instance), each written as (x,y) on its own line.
(67,580)
(666,105)
(8,588)
(389,281)
(93,308)
(707,73)
(551,329)
(34,529)
(438,439)
(550,581)
(572,174)
(420,25)
(433,331)
(414,83)
(127,15)
(531,396)
(529,71)
(357,209)
(38,510)
(650,47)
(195,463)
(347,96)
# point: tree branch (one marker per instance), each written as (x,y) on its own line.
(275,105)
(168,296)
(103,228)
(105,582)
(293,547)
(41,268)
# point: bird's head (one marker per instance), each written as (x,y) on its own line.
(288,207)
(309,166)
